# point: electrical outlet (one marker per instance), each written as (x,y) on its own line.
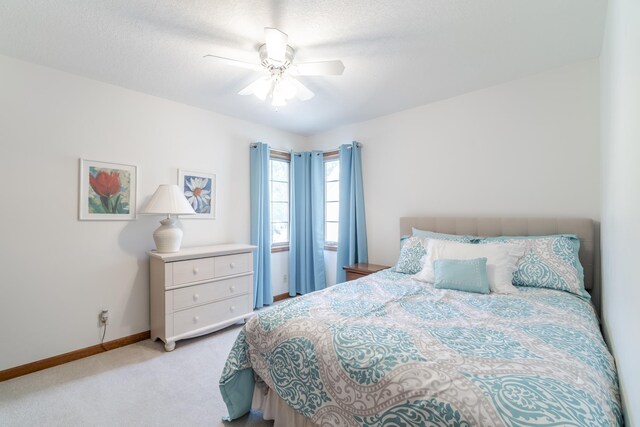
(284,278)
(104,317)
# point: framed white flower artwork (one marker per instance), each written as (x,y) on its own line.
(200,190)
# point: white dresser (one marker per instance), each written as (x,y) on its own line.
(199,290)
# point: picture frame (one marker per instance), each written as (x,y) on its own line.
(108,191)
(200,190)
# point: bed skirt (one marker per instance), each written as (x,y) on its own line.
(274,408)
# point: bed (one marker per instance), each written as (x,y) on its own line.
(389,350)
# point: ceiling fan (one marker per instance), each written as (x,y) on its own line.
(276,58)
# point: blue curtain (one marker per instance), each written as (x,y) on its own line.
(352,230)
(261,225)
(306,242)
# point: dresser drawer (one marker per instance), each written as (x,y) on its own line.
(199,317)
(208,292)
(193,271)
(232,264)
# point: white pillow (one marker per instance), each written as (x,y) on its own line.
(502,261)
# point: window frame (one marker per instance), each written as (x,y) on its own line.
(327,157)
(280,156)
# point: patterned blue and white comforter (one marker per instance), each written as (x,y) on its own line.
(388,350)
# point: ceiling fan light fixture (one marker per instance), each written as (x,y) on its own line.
(288,88)
(263,88)
(302,92)
(260,88)
(277,99)
(276,58)
(278,88)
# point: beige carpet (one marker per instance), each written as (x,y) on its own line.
(137,385)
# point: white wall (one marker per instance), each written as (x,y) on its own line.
(330,260)
(620,65)
(523,148)
(280,269)
(58,272)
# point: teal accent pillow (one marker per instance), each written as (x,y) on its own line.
(442,236)
(237,393)
(411,254)
(549,262)
(468,275)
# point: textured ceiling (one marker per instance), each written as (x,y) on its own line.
(398,54)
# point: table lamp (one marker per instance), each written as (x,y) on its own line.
(168,200)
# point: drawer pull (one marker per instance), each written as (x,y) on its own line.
(232,265)
(196,297)
(195,319)
(195,270)
(232,308)
(232,288)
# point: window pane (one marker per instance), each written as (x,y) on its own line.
(279,170)
(332,170)
(279,191)
(333,191)
(279,232)
(331,234)
(332,197)
(332,211)
(279,212)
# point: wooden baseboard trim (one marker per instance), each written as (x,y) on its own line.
(281,297)
(50,362)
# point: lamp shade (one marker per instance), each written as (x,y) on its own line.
(168,200)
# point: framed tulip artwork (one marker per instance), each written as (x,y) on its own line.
(200,190)
(107,191)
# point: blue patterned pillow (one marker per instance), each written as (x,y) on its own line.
(468,275)
(442,236)
(548,262)
(411,253)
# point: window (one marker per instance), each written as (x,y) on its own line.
(279,194)
(331,199)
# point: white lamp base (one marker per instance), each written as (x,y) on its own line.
(168,236)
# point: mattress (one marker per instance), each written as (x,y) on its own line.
(386,349)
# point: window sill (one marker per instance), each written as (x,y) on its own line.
(279,248)
(332,248)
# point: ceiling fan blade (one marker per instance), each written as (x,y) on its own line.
(302,92)
(235,62)
(323,68)
(249,89)
(276,42)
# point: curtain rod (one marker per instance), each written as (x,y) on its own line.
(282,150)
(336,150)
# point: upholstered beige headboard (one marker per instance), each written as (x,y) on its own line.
(584,228)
